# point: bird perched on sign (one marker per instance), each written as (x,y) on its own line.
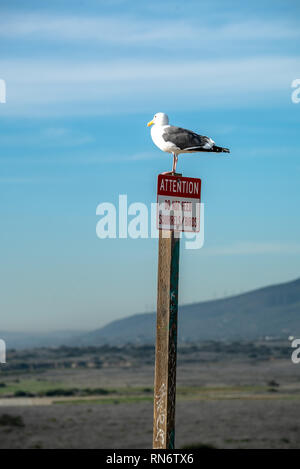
(176,140)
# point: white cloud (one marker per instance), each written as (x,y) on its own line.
(49,136)
(97,86)
(47,87)
(136,30)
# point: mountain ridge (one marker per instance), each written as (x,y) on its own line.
(267,311)
(272,311)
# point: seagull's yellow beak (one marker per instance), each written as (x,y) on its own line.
(150,123)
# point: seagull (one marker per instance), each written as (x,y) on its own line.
(176,140)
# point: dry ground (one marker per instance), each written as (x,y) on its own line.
(230,403)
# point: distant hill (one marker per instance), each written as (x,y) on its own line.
(271,311)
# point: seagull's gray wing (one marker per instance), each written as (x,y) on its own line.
(185,139)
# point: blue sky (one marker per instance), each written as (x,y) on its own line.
(83,79)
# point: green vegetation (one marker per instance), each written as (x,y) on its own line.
(22,388)
(188,390)
(110,400)
(45,388)
(51,389)
(11,421)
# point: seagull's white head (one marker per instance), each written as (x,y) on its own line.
(159,119)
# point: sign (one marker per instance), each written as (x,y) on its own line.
(178,203)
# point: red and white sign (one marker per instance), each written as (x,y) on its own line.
(178,200)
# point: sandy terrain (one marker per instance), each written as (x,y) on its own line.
(227,403)
(224,424)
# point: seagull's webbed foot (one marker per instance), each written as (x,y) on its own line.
(173,172)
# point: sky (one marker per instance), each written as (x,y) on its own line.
(83,78)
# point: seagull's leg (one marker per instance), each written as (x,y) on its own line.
(174,163)
(175,159)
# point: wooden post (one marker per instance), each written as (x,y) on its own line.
(166,341)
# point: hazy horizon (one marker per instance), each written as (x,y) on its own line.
(95,327)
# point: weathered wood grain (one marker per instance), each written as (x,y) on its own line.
(166,341)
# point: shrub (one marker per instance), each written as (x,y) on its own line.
(11,420)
